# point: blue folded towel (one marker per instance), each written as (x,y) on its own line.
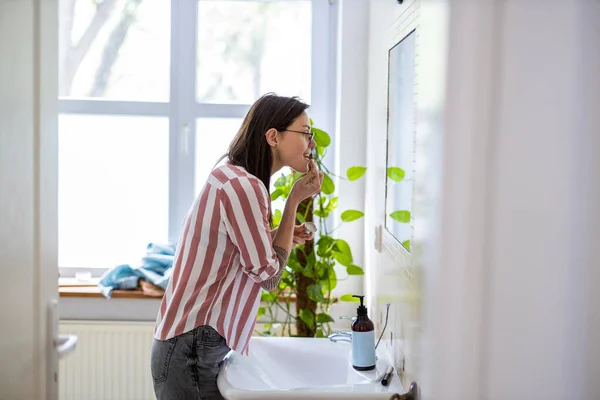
(156,267)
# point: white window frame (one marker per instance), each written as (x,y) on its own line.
(183,108)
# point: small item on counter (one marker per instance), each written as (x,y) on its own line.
(310,227)
(387,377)
(363,340)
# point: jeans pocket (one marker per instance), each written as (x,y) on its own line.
(161,358)
(209,337)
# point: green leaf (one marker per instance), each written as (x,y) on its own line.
(323,210)
(402,216)
(277,217)
(314,293)
(354,270)
(329,281)
(275,195)
(293,263)
(319,333)
(282,181)
(320,150)
(322,214)
(285,283)
(324,318)
(355,172)
(321,137)
(333,203)
(343,254)
(395,173)
(307,317)
(328,187)
(261,312)
(295,176)
(308,270)
(321,270)
(324,246)
(300,217)
(267,297)
(349,298)
(311,259)
(322,200)
(352,215)
(283,185)
(406,244)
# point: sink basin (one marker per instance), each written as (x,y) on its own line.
(302,368)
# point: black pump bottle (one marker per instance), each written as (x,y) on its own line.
(363,339)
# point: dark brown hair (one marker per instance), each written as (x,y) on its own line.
(249,149)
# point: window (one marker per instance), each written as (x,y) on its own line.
(151,94)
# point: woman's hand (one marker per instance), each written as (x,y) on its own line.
(308,185)
(301,235)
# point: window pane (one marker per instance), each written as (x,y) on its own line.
(246,49)
(113,188)
(115,49)
(213,136)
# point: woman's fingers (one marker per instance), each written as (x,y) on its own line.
(304,235)
(313,171)
(298,240)
(301,236)
(310,183)
(319,181)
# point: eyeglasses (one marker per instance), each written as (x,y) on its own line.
(311,134)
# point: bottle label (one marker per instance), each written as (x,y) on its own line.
(363,349)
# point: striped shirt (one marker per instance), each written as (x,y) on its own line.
(224,255)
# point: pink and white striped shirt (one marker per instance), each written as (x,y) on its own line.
(223,255)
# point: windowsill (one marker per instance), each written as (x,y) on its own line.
(77,289)
(83,301)
(71,287)
(93,291)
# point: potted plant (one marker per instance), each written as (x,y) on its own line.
(310,277)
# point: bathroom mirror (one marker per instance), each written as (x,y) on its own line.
(400,140)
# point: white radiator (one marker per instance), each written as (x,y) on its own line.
(111,361)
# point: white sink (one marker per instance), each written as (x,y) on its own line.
(302,368)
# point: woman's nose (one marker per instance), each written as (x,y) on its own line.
(312,144)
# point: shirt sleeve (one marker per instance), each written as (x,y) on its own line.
(245,205)
(273,283)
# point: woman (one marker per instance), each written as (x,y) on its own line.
(228,253)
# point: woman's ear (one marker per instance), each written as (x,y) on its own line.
(272,136)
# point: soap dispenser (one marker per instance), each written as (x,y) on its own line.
(363,339)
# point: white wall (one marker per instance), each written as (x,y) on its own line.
(28,195)
(393,274)
(542,177)
(350,139)
(510,309)
(506,203)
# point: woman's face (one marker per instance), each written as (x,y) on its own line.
(296,144)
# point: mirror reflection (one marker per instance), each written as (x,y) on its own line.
(400,139)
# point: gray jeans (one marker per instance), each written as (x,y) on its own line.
(186,366)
